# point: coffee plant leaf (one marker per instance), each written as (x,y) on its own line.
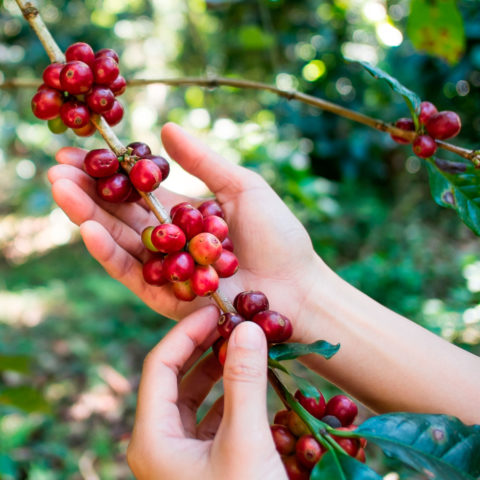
(24,398)
(439,446)
(289,351)
(305,387)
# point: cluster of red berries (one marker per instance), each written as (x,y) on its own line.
(253,306)
(438,125)
(113,185)
(299,449)
(87,83)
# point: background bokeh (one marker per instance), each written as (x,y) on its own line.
(72,340)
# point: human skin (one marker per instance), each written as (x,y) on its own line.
(386,361)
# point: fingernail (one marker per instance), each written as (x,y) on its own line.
(248,335)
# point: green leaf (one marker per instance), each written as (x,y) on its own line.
(305,387)
(456,185)
(25,398)
(15,363)
(439,446)
(436,27)
(289,351)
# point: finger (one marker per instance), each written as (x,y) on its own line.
(71,156)
(194,388)
(208,427)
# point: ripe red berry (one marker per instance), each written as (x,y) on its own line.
(47,103)
(133,197)
(248,304)
(114,115)
(444,125)
(184,291)
(226,265)
(311,405)
(76,77)
(55,125)
(101,162)
(227,244)
(147,239)
(107,52)
(216,226)
(105,70)
(178,266)
(404,124)
(139,149)
(220,350)
(153,271)
(161,163)
(75,114)
(211,207)
(277,327)
(115,188)
(145,175)
(168,238)
(295,470)
(180,205)
(284,440)
(204,280)
(85,131)
(51,75)
(424,146)
(80,51)
(281,417)
(296,425)
(205,248)
(427,109)
(308,451)
(350,445)
(100,99)
(190,220)
(227,322)
(118,86)
(343,408)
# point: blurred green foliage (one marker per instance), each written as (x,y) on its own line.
(72,340)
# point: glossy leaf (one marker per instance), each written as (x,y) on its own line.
(289,351)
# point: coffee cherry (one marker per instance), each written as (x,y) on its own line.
(226,265)
(424,146)
(308,451)
(281,417)
(227,244)
(180,205)
(296,425)
(55,125)
(145,175)
(115,188)
(100,99)
(101,162)
(133,197)
(80,51)
(404,124)
(118,86)
(220,350)
(76,77)
(168,238)
(46,104)
(343,408)
(211,207)
(444,125)
(216,226)
(295,470)
(205,248)
(204,280)
(161,163)
(153,272)
(51,75)
(248,304)
(105,70)
(107,52)
(75,114)
(147,239)
(86,131)
(427,109)
(227,322)
(178,266)
(332,421)
(360,456)
(114,115)
(283,439)
(44,86)
(311,405)
(184,291)
(190,220)
(277,327)
(139,149)
(350,445)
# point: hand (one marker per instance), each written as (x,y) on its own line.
(274,250)
(233,441)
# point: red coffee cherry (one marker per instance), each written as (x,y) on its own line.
(343,408)
(444,125)
(100,99)
(80,51)
(281,417)
(248,304)
(227,244)
(295,470)
(107,52)
(55,125)
(105,70)
(118,86)
(168,238)
(211,207)
(76,77)
(205,248)
(424,146)
(226,265)
(350,445)
(216,226)
(296,425)
(227,322)
(308,451)
(47,103)
(277,327)
(147,239)
(101,162)
(115,188)
(184,291)
(153,272)
(283,439)
(427,109)
(75,114)
(220,350)
(204,280)
(404,124)
(145,175)
(139,149)
(190,220)
(86,131)
(51,75)
(311,405)
(178,266)
(161,163)
(114,115)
